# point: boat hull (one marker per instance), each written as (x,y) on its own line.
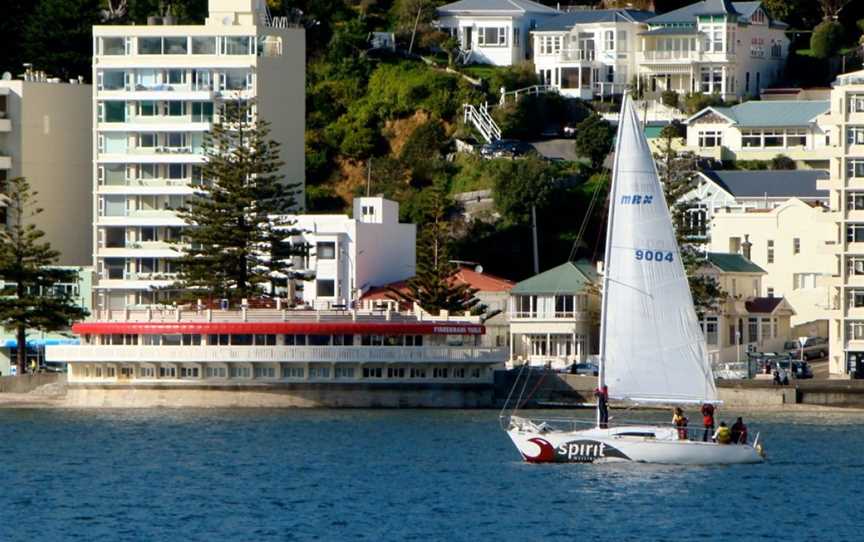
(626,443)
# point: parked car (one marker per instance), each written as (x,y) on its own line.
(800,369)
(814,348)
(505,148)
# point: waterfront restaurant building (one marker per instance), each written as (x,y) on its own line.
(157,90)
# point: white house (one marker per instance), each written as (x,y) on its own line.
(744,191)
(588,52)
(760,130)
(493,31)
(347,256)
(733,49)
(554,316)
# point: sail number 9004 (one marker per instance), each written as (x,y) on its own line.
(653,255)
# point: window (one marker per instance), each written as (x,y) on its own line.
(417,372)
(175,45)
(291,371)
(147,140)
(564,306)
(710,329)
(855,233)
(855,331)
(114,111)
(765,328)
(856,299)
(326,250)
(149,46)
(113,80)
(796,138)
(147,109)
(752,330)
(241,340)
(770,251)
(395,372)
(176,109)
(796,245)
(459,372)
(855,266)
(751,138)
(216,372)
(710,138)
(712,80)
(609,40)
(550,45)
(265,372)
(189,372)
(803,281)
(203,45)
(202,112)
(770,292)
(516,37)
(772,138)
(265,340)
(856,103)
(295,340)
(373,372)
(855,167)
(236,45)
(492,36)
(146,372)
(855,201)
(344,372)
(240,372)
(325,288)
(113,46)
(176,77)
(440,372)
(167,372)
(175,140)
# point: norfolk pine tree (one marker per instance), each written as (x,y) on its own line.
(433,287)
(226,249)
(678,175)
(29,299)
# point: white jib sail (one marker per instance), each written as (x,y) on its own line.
(652,346)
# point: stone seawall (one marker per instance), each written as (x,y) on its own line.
(281,396)
(29,382)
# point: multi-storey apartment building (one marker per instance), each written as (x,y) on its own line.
(714,46)
(846,125)
(157,91)
(45,128)
(589,52)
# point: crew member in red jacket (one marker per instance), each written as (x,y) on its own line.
(707,420)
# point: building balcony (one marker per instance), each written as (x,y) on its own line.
(150,186)
(275,354)
(669,57)
(142,218)
(139,250)
(158,124)
(151,158)
(134,282)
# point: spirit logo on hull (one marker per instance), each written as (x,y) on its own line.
(574,451)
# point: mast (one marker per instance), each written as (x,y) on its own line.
(601,373)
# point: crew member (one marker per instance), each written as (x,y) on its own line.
(707,420)
(739,432)
(680,422)
(723,435)
(602,395)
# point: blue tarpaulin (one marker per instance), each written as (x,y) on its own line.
(36,343)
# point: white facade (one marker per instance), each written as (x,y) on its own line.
(846,126)
(494,32)
(350,255)
(729,133)
(792,243)
(732,49)
(157,90)
(45,128)
(583,54)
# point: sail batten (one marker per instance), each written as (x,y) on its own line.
(652,345)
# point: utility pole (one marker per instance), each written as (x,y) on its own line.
(368,176)
(534,235)
(416,22)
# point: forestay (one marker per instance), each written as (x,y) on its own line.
(652,347)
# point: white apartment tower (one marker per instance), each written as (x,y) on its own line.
(157,90)
(845,124)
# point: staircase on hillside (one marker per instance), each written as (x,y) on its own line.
(482,121)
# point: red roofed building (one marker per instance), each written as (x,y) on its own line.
(492,292)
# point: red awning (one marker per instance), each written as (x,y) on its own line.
(272,328)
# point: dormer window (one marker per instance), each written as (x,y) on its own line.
(758,17)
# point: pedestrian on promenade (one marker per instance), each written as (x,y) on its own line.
(707,420)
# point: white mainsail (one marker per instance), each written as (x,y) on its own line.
(652,348)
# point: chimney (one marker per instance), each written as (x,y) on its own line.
(745,246)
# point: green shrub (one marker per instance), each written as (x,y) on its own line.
(696,101)
(827,38)
(594,139)
(669,98)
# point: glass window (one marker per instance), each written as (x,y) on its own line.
(202,112)
(176,77)
(609,40)
(203,45)
(113,80)
(855,168)
(115,205)
(147,171)
(325,288)
(326,250)
(751,138)
(113,46)
(115,111)
(710,139)
(773,138)
(796,245)
(147,140)
(175,139)
(770,251)
(176,109)
(236,45)
(147,109)
(176,45)
(492,36)
(796,138)
(149,46)
(176,171)
(855,201)
(241,340)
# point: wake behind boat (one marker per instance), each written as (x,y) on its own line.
(651,346)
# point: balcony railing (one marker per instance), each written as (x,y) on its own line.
(671,55)
(245,354)
(545,315)
(575,55)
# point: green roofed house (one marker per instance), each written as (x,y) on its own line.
(743,320)
(554,316)
(760,130)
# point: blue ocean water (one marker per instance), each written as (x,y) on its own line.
(402,475)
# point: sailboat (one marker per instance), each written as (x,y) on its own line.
(652,351)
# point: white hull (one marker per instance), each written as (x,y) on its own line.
(638,443)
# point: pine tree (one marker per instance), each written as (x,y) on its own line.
(677,172)
(226,250)
(29,299)
(434,287)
